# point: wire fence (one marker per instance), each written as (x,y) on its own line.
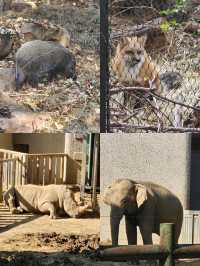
(153,65)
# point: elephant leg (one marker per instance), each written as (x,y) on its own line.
(48,206)
(131,233)
(146,232)
(131,230)
(115,218)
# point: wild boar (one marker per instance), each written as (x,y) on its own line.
(38,59)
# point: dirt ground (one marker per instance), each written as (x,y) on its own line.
(30,240)
(60,105)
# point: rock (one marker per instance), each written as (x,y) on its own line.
(38,59)
(192,27)
(196,15)
(38,31)
(156,39)
(6,42)
(21,6)
(180,16)
(7,79)
(5,111)
(171,80)
(5,5)
(24,122)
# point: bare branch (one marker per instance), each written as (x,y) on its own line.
(175,102)
(118,89)
(154,128)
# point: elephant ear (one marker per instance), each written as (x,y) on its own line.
(141,196)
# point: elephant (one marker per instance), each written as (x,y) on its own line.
(53,199)
(144,204)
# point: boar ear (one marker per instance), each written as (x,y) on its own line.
(142,40)
(141,195)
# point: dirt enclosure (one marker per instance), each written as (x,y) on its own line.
(62,104)
(34,240)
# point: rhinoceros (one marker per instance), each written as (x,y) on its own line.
(38,59)
(53,199)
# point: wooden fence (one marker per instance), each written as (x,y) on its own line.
(18,168)
(46,169)
(166,252)
(13,168)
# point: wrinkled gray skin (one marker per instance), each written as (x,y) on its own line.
(38,59)
(145,205)
(53,199)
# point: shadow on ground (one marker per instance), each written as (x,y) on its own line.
(8,221)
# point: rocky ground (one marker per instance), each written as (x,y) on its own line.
(61,105)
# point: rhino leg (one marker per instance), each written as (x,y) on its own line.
(48,207)
(11,201)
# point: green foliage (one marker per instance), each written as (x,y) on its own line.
(180,4)
(166,26)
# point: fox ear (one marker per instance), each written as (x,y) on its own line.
(142,40)
(141,195)
(123,42)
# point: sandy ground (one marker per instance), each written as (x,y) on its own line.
(30,240)
(13,227)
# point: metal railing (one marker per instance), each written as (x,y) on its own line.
(166,252)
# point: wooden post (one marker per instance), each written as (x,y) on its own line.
(167,241)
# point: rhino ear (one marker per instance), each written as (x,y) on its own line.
(141,195)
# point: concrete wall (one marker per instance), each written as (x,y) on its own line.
(6,141)
(160,158)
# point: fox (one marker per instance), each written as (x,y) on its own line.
(133,66)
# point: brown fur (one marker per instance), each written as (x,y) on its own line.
(132,64)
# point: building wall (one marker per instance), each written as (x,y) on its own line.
(42,143)
(50,143)
(6,141)
(161,158)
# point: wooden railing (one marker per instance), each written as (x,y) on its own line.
(166,252)
(13,168)
(18,168)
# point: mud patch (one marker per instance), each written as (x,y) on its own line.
(70,243)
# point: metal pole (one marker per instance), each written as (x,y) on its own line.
(94,172)
(83,170)
(104,66)
(167,241)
